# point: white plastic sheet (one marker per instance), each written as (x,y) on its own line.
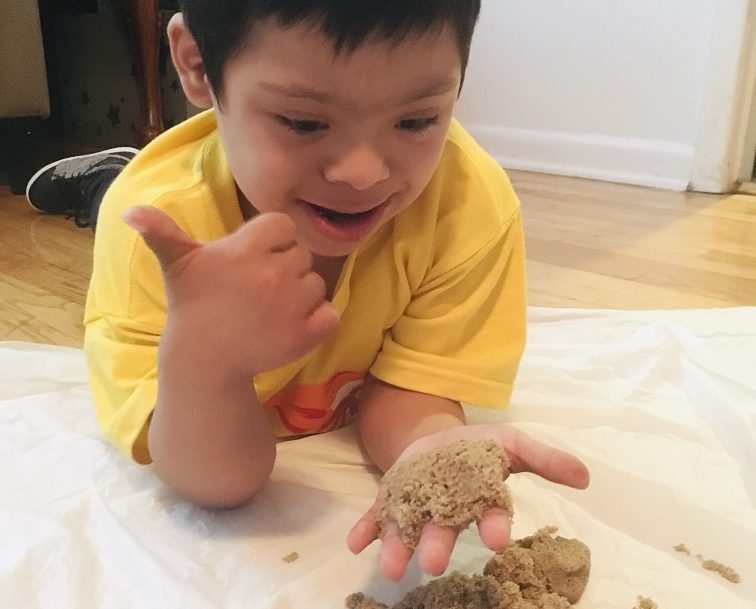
(660,405)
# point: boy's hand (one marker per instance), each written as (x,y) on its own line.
(437,542)
(251,297)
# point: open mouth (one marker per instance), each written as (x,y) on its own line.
(338,217)
(341,226)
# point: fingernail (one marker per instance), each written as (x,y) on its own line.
(131,217)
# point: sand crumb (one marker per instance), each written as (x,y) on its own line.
(728,573)
(645,603)
(451,486)
(290,557)
(359,601)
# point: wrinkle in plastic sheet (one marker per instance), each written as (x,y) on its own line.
(661,405)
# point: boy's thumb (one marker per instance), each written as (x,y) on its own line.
(162,235)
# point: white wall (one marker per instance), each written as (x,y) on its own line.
(606,89)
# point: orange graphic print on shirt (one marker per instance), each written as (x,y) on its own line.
(306,409)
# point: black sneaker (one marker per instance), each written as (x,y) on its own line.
(66,186)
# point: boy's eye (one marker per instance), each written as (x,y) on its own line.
(302,126)
(417,125)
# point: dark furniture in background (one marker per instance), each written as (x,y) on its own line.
(29,143)
(141,20)
(144,21)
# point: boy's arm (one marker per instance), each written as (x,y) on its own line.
(237,306)
(392,418)
(209,437)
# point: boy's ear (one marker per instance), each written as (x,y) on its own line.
(188,63)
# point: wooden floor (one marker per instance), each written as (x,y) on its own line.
(590,244)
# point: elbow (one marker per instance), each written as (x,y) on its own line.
(228,498)
(228,493)
(221,485)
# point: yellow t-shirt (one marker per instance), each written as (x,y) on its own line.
(433,302)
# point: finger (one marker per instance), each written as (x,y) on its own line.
(162,235)
(322,317)
(395,556)
(435,548)
(529,455)
(312,292)
(298,260)
(364,532)
(271,232)
(495,528)
(366,529)
(322,323)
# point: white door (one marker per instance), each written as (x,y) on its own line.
(727,137)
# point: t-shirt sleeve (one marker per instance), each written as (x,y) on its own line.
(184,173)
(463,333)
(122,364)
(123,323)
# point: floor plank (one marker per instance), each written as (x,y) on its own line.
(589,244)
(45,264)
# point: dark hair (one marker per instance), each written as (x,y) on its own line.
(222,28)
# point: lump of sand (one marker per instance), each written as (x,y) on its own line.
(458,591)
(450,486)
(536,572)
(542,564)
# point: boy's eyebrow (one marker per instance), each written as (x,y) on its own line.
(436,87)
(293,90)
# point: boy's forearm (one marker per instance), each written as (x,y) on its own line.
(391,418)
(209,437)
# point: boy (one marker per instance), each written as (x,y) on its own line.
(326,242)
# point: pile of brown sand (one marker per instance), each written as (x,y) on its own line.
(536,572)
(450,486)
(542,564)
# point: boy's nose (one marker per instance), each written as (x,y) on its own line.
(361,167)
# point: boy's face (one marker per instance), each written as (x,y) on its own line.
(340,143)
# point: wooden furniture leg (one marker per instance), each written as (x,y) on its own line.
(144,19)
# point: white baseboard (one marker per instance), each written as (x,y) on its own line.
(629,161)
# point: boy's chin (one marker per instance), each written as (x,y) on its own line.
(332,250)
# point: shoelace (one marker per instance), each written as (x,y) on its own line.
(80,216)
(77,208)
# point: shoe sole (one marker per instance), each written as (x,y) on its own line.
(31,181)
